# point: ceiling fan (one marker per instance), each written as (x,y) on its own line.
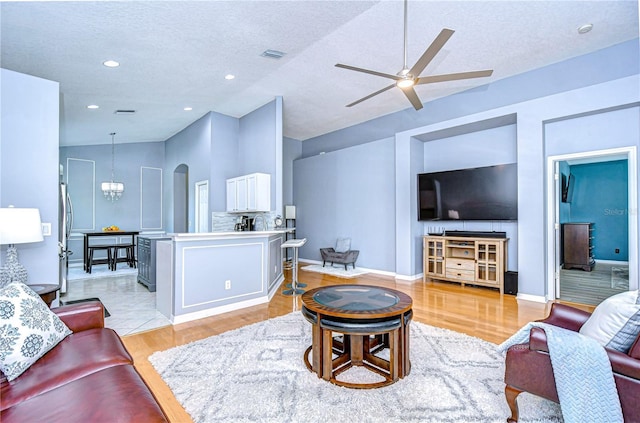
(407,78)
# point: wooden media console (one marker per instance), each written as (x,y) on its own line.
(467,260)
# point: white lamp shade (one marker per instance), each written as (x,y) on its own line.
(19,226)
(289,212)
(113,186)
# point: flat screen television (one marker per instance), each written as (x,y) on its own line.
(568,181)
(482,193)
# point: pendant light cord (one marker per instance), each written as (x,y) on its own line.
(113,134)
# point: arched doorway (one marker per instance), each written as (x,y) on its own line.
(181,199)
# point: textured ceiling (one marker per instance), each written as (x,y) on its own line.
(175,54)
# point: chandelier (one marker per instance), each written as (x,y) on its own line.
(112,190)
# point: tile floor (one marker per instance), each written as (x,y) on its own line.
(132,306)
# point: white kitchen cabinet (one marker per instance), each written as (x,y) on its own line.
(237,194)
(249,193)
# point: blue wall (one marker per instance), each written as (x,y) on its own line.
(191,147)
(217,147)
(482,147)
(600,196)
(224,158)
(608,64)
(29,164)
(587,87)
(348,193)
(129,159)
(260,146)
(583,104)
(214,148)
(292,150)
(92,211)
(617,127)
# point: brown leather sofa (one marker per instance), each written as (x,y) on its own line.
(88,377)
(528,366)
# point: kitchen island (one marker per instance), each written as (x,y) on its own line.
(204,274)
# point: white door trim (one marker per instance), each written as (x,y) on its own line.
(202,198)
(553,252)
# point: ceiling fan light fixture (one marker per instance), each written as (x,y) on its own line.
(406,82)
(409,77)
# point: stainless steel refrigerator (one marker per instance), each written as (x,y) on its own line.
(65,223)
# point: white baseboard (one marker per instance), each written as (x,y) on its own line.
(217,310)
(534,298)
(409,278)
(615,262)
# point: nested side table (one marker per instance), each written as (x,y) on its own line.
(370,320)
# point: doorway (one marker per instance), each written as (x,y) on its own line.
(202,206)
(590,283)
(181,199)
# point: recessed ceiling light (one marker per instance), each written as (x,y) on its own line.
(229,77)
(188,109)
(93,106)
(583,29)
(111,63)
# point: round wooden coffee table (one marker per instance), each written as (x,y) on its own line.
(370,319)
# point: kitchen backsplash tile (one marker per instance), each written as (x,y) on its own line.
(225,222)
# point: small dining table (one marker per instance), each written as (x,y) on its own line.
(88,235)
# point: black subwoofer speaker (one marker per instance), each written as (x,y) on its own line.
(511,282)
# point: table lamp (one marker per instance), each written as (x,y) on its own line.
(17,226)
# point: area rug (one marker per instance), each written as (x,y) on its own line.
(620,277)
(85,300)
(257,374)
(335,270)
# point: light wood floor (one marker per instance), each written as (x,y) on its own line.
(479,312)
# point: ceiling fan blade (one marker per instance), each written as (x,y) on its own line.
(431,51)
(453,76)
(353,68)
(371,95)
(413,97)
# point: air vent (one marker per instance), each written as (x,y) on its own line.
(273,54)
(124,112)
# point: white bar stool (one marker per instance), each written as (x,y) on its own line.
(294,244)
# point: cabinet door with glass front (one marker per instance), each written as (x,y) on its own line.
(433,257)
(488,263)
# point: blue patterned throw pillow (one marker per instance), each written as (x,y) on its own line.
(28,329)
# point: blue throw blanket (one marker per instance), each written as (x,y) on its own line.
(581,367)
